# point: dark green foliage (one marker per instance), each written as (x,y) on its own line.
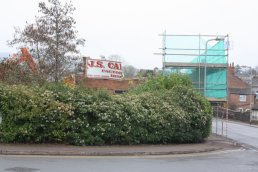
(164,110)
(163,82)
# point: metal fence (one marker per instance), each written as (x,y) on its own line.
(222,115)
(220,121)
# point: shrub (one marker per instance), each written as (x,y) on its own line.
(164,110)
(31,114)
(163,82)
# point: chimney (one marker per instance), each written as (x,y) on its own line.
(231,69)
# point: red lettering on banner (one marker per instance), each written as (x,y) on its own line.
(98,64)
(104,69)
(90,63)
(116,76)
(116,66)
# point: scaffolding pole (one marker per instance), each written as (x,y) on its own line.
(192,54)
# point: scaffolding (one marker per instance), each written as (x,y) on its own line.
(203,58)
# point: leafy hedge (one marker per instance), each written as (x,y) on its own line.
(155,112)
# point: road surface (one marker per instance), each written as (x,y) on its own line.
(235,161)
(240,132)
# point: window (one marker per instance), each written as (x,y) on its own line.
(242,98)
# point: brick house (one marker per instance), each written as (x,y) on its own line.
(239,92)
(255,84)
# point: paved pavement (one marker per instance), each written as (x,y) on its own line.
(242,133)
(213,143)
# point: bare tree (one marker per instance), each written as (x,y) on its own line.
(52,39)
(129,71)
(32,37)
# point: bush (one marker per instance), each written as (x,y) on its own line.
(164,110)
(31,114)
(163,82)
(12,73)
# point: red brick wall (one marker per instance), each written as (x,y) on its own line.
(235,103)
(110,85)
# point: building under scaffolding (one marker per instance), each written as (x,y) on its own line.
(203,58)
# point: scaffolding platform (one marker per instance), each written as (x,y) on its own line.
(204,58)
(176,64)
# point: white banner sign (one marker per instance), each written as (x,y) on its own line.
(97,68)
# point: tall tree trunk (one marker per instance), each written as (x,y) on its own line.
(56,54)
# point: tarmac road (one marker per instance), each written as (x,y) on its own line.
(240,132)
(233,160)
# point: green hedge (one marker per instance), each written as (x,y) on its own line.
(147,114)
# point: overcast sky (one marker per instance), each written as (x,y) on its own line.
(130,28)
